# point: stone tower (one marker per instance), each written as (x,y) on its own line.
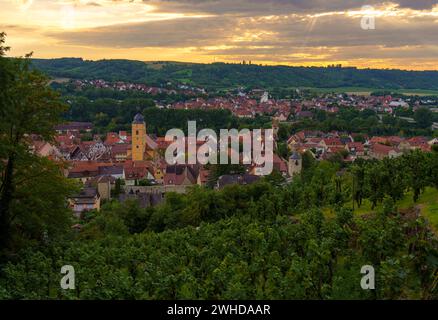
(265,97)
(138,138)
(295,164)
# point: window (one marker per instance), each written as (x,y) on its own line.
(136,132)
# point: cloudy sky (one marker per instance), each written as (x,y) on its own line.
(288,32)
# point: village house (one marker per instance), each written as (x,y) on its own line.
(381,151)
(136,171)
(45,149)
(88,199)
(119,152)
(331,143)
(281,116)
(83,171)
(180,175)
(116,171)
(357,149)
(104,185)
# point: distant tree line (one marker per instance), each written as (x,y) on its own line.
(366,122)
(222,75)
(108,114)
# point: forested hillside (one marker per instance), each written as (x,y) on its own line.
(221,75)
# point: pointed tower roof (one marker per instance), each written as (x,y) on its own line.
(138,119)
(295,156)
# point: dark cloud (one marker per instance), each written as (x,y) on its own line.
(264,7)
(280,39)
(417,4)
(255,7)
(335,30)
(268,35)
(184,32)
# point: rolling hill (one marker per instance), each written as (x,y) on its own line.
(224,76)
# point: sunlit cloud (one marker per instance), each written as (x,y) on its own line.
(291,32)
(23,4)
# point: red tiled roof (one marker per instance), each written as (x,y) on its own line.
(382,149)
(279,163)
(176,174)
(135,173)
(417,141)
(358,146)
(375,140)
(335,149)
(121,148)
(112,138)
(333,142)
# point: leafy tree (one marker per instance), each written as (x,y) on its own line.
(394,181)
(375,183)
(416,163)
(424,118)
(283,132)
(282,150)
(358,181)
(32,189)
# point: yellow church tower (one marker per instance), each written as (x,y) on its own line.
(138,138)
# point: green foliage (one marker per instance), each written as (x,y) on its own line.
(33,190)
(258,241)
(236,258)
(424,118)
(283,150)
(367,122)
(160,121)
(107,114)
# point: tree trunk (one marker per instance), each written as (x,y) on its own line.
(5,207)
(416,195)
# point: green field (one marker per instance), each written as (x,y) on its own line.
(428,204)
(368,91)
